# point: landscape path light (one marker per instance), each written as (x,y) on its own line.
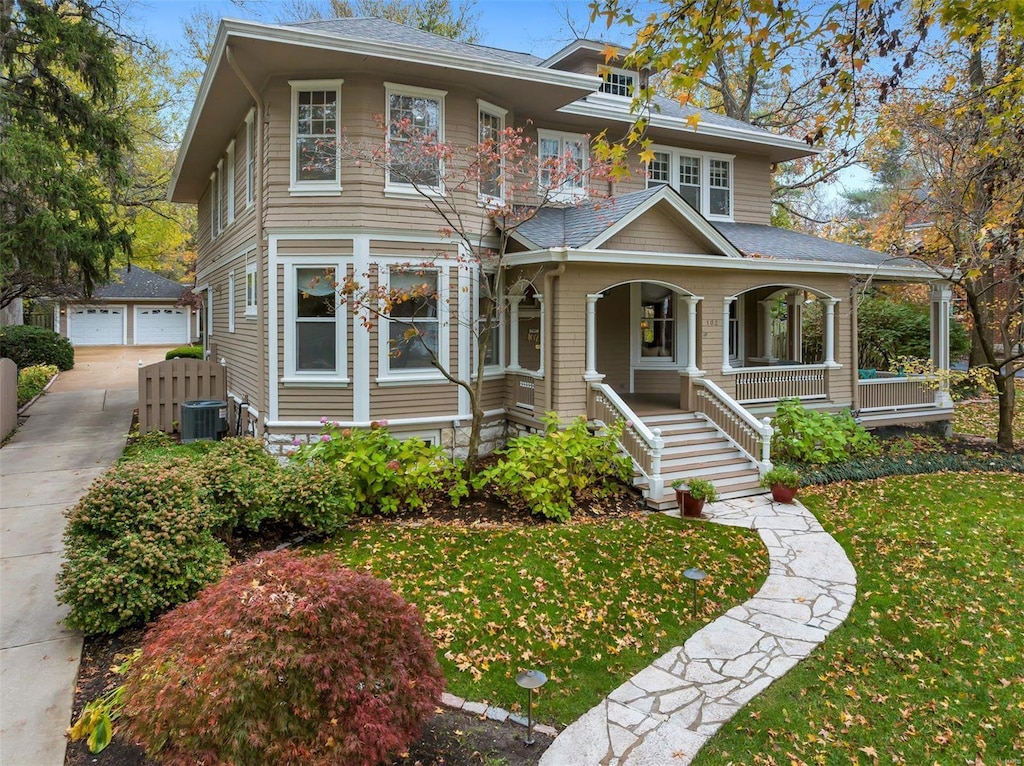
(530,680)
(695,575)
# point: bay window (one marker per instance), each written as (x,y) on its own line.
(491,130)
(315,334)
(315,137)
(414,332)
(415,125)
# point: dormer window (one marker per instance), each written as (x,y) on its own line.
(618,82)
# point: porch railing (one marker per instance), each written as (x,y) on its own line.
(806,381)
(752,436)
(897,393)
(643,444)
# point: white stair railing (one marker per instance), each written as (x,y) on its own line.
(645,445)
(750,435)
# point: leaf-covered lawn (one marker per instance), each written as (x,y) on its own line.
(981,418)
(589,604)
(929,667)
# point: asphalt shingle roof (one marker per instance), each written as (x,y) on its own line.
(382,30)
(576,226)
(136,282)
(759,240)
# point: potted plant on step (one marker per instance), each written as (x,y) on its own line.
(783,482)
(691,494)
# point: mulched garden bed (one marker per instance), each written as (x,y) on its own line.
(451,738)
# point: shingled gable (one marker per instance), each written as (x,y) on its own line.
(592,224)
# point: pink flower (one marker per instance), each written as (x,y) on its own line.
(296,441)
(323,421)
(325,438)
(383,423)
(629,424)
(394,465)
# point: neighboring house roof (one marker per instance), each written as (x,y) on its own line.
(138,283)
(382,30)
(761,241)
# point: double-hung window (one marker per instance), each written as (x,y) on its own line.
(488,305)
(315,335)
(703,179)
(618,82)
(564,158)
(415,131)
(315,133)
(229,184)
(492,156)
(250,289)
(214,205)
(250,158)
(414,326)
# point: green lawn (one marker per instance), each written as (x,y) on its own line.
(981,418)
(588,603)
(929,667)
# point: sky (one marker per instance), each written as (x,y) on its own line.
(533,26)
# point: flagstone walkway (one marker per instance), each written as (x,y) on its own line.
(665,713)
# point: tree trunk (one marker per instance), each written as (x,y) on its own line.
(1007,395)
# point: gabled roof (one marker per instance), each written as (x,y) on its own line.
(135,282)
(761,241)
(592,223)
(382,30)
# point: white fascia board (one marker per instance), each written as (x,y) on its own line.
(568,50)
(703,260)
(608,111)
(665,194)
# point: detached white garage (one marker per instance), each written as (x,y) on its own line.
(137,308)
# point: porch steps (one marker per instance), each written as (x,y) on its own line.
(694,447)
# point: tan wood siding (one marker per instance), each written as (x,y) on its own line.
(658,231)
(614,325)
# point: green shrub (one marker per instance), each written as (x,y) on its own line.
(386,473)
(551,473)
(287,660)
(29,346)
(699,489)
(185,352)
(887,330)
(138,543)
(32,381)
(316,496)
(863,469)
(817,438)
(238,484)
(781,476)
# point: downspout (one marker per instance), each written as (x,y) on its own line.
(549,332)
(261,309)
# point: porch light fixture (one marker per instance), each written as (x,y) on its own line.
(694,575)
(530,680)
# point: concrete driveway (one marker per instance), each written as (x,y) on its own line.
(72,435)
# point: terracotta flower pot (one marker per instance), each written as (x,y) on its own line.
(782,493)
(690,506)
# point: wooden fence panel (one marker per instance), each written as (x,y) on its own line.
(8,397)
(165,385)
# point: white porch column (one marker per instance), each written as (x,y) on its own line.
(830,331)
(795,324)
(543,333)
(766,328)
(942,295)
(726,333)
(513,331)
(691,333)
(591,373)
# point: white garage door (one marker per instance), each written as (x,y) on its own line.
(165,325)
(97,325)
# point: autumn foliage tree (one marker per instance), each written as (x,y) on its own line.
(480,195)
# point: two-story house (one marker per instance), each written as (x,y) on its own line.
(677,307)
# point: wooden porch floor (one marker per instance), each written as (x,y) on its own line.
(652,404)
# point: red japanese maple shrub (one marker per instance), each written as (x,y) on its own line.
(289,659)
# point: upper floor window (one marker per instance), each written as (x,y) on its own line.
(618,82)
(492,160)
(315,144)
(229,184)
(215,203)
(702,179)
(250,158)
(564,158)
(415,125)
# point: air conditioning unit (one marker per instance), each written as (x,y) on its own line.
(203,419)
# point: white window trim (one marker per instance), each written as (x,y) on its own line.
(495,111)
(387,376)
(740,355)
(214,205)
(231,301)
(496,330)
(705,177)
(250,272)
(299,188)
(340,372)
(564,195)
(602,70)
(221,224)
(399,189)
(231,182)
(679,351)
(250,159)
